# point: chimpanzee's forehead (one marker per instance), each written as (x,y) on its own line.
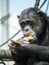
(28,14)
(30,9)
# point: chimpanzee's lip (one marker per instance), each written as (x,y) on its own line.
(28,35)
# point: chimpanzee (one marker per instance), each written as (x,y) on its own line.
(33,22)
(48,26)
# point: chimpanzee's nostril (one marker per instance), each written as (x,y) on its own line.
(26,30)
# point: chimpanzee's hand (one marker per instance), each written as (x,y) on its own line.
(19,49)
(19,53)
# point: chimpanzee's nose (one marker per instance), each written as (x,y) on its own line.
(26,29)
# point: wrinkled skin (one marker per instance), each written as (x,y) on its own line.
(33,22)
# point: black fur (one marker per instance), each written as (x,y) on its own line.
(33,20)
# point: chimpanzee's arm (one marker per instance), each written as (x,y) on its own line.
(41,51)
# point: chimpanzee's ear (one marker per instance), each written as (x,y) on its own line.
(18,16)
(41,14)
(43,17)
(48,22)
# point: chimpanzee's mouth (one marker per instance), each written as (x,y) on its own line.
(30,37)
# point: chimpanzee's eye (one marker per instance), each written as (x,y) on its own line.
(30,23)
(22,24)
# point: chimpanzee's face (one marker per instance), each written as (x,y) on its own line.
(33,27)
(32,23)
